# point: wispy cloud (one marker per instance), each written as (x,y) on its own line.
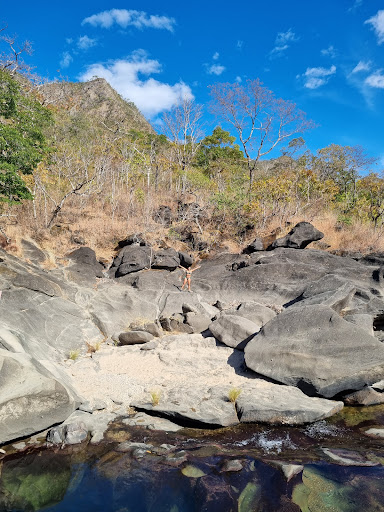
(317,77)
(238,79)
(329,52)
(66,59)
(130,18)
(356,5)
(375,80)
(239,44)
(216,55)
(362,66)
(215,69)
(125,75)
(377,23)
(85,42)
(282,42)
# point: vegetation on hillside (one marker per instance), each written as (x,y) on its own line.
(85,162)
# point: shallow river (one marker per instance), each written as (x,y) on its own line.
(239,469)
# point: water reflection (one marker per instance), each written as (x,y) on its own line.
(237,470)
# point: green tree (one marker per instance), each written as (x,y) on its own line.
(342,164)
(371,197)
(218,156)
(22,141)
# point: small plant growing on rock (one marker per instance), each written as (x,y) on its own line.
(74,354)
(93,348)
(155,397)
(233,394)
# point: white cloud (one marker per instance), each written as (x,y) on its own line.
(282,40)
(85,42)
(376,79)
(356,5)
(316,77)
(126,18)
(239,44)
(66,59)
(149,95)
(377,23)
(215,69)
(238,79)
(216,55)
(329,52)
(361,66)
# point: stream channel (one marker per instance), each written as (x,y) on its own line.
(330,466)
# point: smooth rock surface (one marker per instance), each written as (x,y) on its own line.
(283,405)
(135,337)
(31,399)
(233,330)
(313,348)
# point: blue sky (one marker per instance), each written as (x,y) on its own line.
(327,57)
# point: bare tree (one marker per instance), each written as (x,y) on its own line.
(12,59)
(261,120)
(183,127)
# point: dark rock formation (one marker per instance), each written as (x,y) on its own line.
(299,237)
(255,246)
(166,259)
(85,262)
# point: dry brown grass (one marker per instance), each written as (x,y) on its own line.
(101,231)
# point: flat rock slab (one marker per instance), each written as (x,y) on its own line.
(194,407)
(313,348)
(141,419)
(366,396)
(282,405)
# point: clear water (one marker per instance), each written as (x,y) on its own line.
(104,479)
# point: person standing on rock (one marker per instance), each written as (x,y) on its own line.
(188,274)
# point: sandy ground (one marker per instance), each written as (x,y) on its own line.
(126,374)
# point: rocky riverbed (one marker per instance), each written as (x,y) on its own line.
(278,336)
(268,339)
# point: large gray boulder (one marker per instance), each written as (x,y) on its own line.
(43,326)
(313,348)
(299,237)
(233,330)
(31,399)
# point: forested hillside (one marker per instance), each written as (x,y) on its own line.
(81,165)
